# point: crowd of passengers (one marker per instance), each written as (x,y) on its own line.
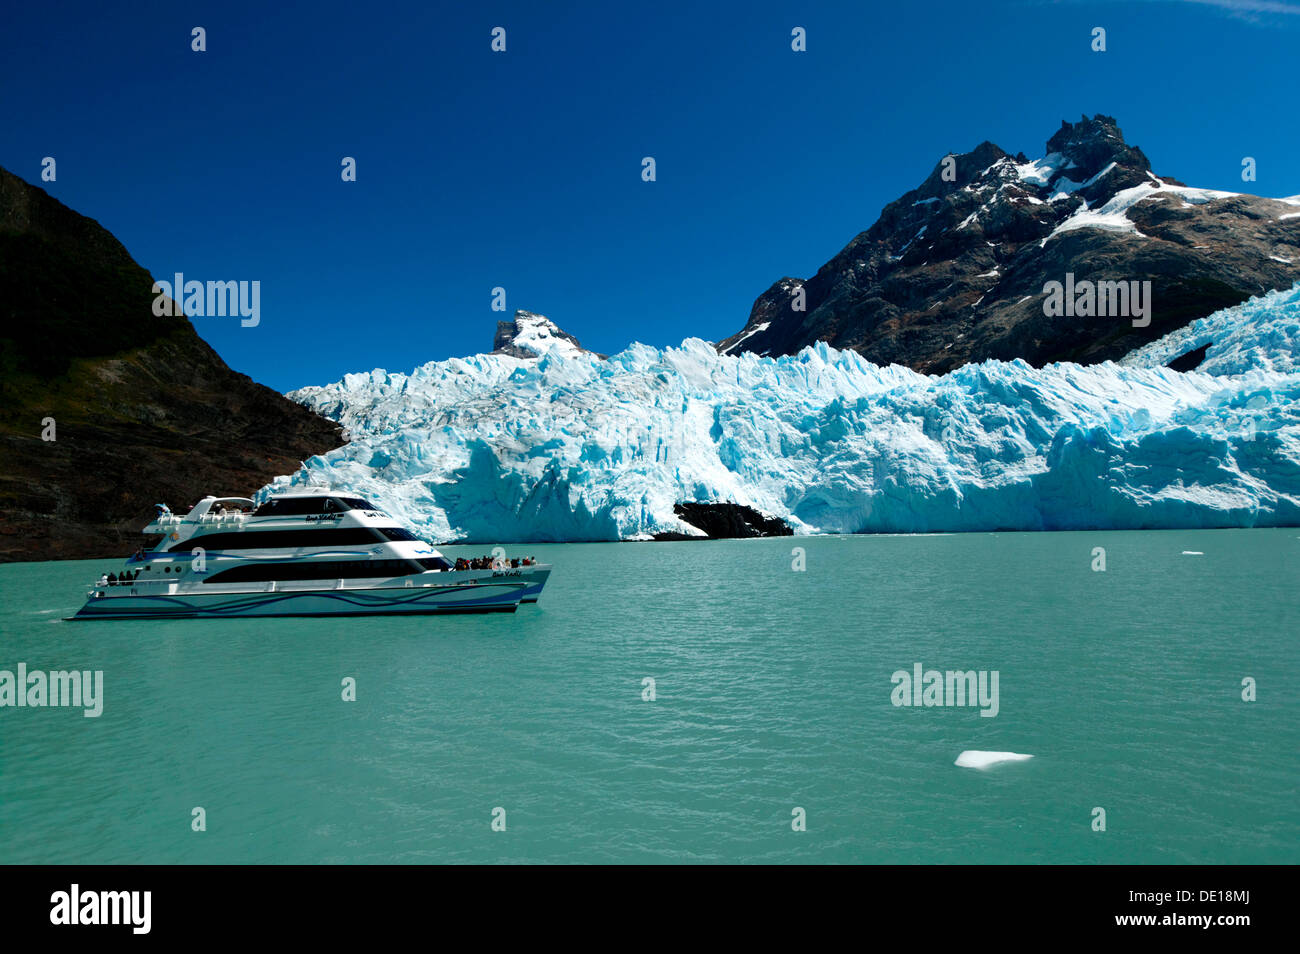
(115,579)
(487,563)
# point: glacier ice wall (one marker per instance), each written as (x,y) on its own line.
(572,447)
(1262,334)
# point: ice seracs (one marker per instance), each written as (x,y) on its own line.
(495,448)
(1260,337)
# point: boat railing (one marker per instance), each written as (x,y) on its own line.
(234,518)
(170,521)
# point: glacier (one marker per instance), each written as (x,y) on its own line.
(1262,334)
(568,445)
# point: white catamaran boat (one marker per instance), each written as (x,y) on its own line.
(306,552)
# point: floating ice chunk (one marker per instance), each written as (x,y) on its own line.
(976,758)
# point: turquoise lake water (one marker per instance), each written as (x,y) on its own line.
(772,692)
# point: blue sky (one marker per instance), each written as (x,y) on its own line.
(523,169)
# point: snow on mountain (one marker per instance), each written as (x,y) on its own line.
(529,335)
(569,446)
(1113,214)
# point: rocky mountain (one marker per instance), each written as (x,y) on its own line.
(955,271)
(724,521)
(529,335)
(142,409)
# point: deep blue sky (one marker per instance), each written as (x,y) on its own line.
(523,169)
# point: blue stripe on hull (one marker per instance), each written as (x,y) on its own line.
(279,603)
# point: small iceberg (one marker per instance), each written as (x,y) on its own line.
(1193,553)
(975,758)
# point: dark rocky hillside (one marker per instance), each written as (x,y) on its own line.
(144,410)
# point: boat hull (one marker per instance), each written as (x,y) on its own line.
(494,597)
(534,577)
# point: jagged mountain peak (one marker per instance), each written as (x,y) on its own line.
(955,270)
(1093,144)
(966,169)
(530,335)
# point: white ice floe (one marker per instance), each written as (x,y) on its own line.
(977,758)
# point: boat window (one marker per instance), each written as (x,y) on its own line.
(435,563)
(397,533)
(358,503)
(316,570)
(291,506)
(322,536)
